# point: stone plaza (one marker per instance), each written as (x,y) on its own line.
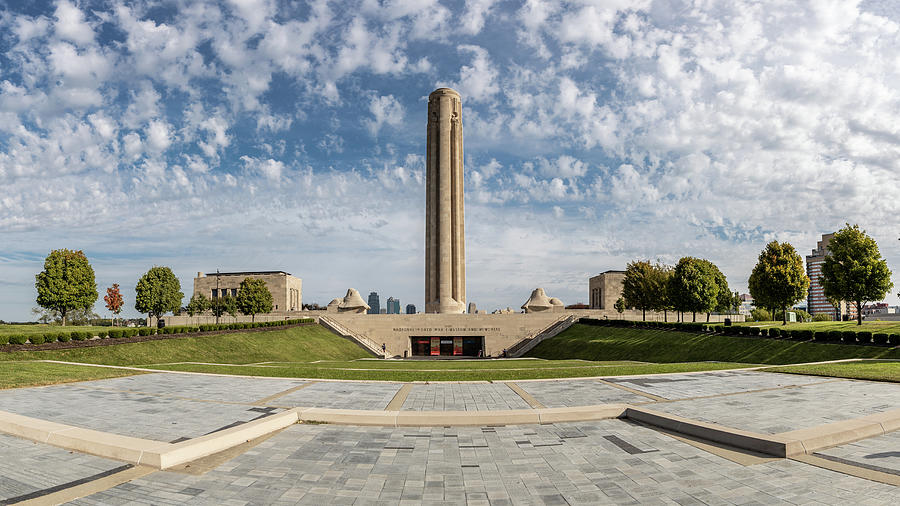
(360,459)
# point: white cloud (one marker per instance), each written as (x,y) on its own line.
(271,169)
(159,135)
(71,25)
(477,82)
(473,18)
(386,110)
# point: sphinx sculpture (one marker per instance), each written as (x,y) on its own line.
(539,302)
(350,303)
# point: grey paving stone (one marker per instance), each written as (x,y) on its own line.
(27,467)
(320,464)
(881,453)
(463,397)
(682,386)
(214,388)
(566,393)
(156,417)
(790,409)
(342,395)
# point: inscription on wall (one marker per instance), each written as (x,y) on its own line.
(446,329)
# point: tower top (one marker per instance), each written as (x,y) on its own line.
(444,91)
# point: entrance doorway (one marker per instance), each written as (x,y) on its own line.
(447,346)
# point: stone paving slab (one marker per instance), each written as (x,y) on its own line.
(568,393)
(463,397)
(216,388)
(341,395)
(777,411)
(155,417)
(27,467)
(683,386)
(606,462)
(881,453)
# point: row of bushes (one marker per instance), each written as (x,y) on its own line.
(827,336)
(119,333)
(684,326)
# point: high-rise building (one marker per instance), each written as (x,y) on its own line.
(374,304)
(392,306)
(410,309)
(816,302)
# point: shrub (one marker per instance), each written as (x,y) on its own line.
(103,334)
(131,332)
(894,339)
(864,337)
(848,336)
(822,317)
(880,338)
(76,336)
(4,340)
(36,338)
(775,332)
(787,333)
(63,337)
(18,339)
(833,336)
(116,333)
(144,331)
(754,331)
(50,337)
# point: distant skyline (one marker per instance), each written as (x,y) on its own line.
(289,135)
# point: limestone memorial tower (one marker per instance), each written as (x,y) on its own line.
(445,241)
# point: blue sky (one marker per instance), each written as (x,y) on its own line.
(267,135)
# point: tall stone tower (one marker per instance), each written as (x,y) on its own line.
(445,240)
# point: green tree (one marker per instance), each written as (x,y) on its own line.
(854,270)
(198,304)
(724,297)
(218,307)
(254,297)
(694,286)
(662,274)
(640,287)
(230,306)
(778,280)
(620,305)
(158,292)
(66,283)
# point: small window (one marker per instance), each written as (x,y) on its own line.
(276,306)
(215,293)
(234,292)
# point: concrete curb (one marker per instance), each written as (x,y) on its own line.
(161,455)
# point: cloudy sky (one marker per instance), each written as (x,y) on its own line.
(289,135)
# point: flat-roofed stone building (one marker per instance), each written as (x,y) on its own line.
(605,289)
(287,290)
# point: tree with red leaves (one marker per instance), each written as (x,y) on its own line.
(114,300)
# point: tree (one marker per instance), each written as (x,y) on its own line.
(66,283)
(724,298)
(694,286)
(198,304)
(854,270)
(639,288)
(158,292)
(620,305)
(230,306)
(779,280)
(254,297)
(218,307)
(662,275)
(114,301)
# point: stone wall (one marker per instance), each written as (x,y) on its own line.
(287,290)
(604,289)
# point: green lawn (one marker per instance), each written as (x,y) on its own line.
(6,329)
(18,374)
(615,343)
(868,370)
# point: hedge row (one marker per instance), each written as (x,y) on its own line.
(827,336)
(119,333)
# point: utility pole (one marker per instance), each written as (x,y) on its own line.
(217,296)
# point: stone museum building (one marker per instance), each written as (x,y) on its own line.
(287,290)
(605,289)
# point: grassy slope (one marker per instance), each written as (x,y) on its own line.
(610,343)
(872,326)
(6,329)
(18,374)
(296,344)
(878,371)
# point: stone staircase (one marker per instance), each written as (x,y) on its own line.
(558,325)
(332,325)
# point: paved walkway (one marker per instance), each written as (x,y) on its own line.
(609,461)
